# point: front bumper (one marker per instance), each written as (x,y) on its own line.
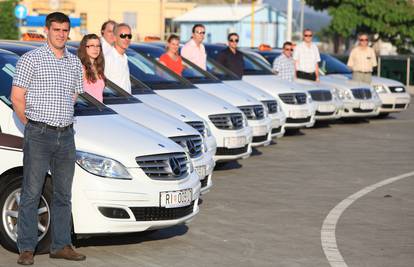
(262,131)
(328,110)
(299,116)
(278,124)
(394,102)
(361,108)
(91,192)
(204,167)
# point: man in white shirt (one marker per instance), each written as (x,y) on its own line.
(108,37)
(306,56)
(194,49)
(116,61)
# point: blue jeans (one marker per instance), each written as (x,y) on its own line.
(46,149)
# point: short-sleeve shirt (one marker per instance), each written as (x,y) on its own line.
(51,84)
(307,57)
(117,70)
(106,47)
(194,53)
(232,61)
(174,65)
(363,60)
(285,67)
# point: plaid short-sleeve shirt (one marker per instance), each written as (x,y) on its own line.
(285,67)
(51,83)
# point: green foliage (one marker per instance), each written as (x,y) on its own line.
(390,20)
(8,28)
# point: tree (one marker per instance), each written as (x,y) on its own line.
(387,20)
(8,28)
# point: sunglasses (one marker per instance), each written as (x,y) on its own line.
(124,35)
(308,35)
(93,46)
(288,49)
(234,40)
(200,32)
(363,40)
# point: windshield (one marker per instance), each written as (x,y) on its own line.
(197,75)
(85,105)
(220,71)
(113,94)
(154,74)
(253,67)
(331,65)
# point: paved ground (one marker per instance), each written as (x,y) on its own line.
(268,211)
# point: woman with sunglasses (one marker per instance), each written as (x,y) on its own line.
(230,57)
(171,58)
(91,55)
(362,60)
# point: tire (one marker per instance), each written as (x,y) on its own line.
(9,199)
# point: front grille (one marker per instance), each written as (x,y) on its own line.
(300,120)
(318,113)
(276,130)
(386,106)
(231,151)
(400,105)
(171,166)
(161,213)
(198,125)
(271,106)
(255,112)
(397,89)
(358,110)
(361,93)
(230,121)
(204,182)
(193,144)
(321,95)
(293,98)
(257,139)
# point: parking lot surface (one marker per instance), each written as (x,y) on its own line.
(268,210)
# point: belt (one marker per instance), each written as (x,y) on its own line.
(56,128)
(363,71)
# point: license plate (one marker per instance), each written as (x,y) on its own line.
(234,142)
(298,114)
(366,106)
(326,108)
(175,199)
(201,171)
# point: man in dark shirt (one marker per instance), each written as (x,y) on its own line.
(230,57)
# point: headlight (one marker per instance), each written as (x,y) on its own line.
(374,94)
(245,123)
(348,95)
(207,128)
(335,95)
(339,93)
(380,88)
(309,99)
(102,166)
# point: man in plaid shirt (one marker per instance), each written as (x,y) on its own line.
(284,65)
(45,87)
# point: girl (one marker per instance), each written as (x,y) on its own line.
(171,59)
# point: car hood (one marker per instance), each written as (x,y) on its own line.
(249,89)
(118,138)
(385,81)
(342,83)
(168,107)
(200,102)
(311,85)
(154,119)
(272,85)
(229,94)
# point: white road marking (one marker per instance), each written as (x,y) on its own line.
(328,238)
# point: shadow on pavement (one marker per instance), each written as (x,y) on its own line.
(131,238)
(294,132)
(321,125)
(228,165)
(255,152)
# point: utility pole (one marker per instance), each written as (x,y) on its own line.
(252,26)
(302,15)
(289,20)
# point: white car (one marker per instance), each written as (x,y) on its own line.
(254,110)
(226,122)
(127,178)
(295,102)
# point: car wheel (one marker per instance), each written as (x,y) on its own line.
(9,203)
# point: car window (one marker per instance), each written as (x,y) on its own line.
(153,74)
(7,70)
(252,67)
(220,71)
(331,65)
(113,94)
(197,75)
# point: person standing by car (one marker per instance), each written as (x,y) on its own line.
(362,60)
(45,86)
(306,56)
(231,57)
(108,37)
(91,56)
(171,58)
(284,65)
(116,61)
(194,49)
